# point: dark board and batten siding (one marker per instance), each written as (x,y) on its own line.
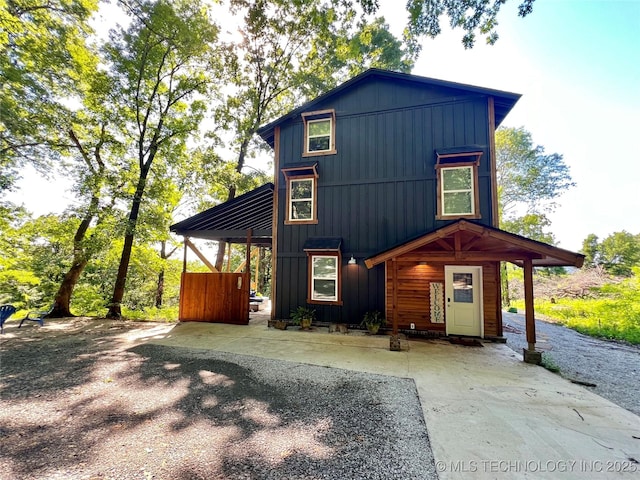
(380,187)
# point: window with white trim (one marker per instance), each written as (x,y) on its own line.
(457,191)
(302,194)
(325,278)
(319,133)
(301,199)
(457,173)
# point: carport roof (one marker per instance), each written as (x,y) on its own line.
(464,240)
(230,220)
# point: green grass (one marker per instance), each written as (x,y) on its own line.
(549,364)
(165,314)
(613,314)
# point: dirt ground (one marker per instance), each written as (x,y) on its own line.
(88,399)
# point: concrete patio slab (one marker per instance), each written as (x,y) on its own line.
(489,415)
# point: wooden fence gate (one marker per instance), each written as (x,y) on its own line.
(215,298)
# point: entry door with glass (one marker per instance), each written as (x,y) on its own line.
(463,291)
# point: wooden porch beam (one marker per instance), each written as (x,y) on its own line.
(444,244)
(199,254)
(461,256)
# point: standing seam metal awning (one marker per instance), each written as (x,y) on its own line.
(230,220)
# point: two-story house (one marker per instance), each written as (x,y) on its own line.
(385,197)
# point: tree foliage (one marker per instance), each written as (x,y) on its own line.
(160,72)
(472,16)
(43,66)
(618,253)
(527,176)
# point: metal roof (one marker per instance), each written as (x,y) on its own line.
(503,101)
(230,220)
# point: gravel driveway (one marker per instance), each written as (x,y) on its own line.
(614,367)
(90,404)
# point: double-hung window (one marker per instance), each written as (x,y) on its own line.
(324,278)
(301,199)
(457,191)
(302,193)
(324,263)
(319,133)
(458,185)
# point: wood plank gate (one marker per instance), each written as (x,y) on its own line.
(215,298)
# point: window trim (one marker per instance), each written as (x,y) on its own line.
(289,175)
(310,117)
(311,254)
(450,161)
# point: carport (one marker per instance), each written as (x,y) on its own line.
(223,297)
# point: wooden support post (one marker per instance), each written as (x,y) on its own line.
(184,261)
(229,259)
(256,277)
(395,296)
(248,254)
(528,302)
(529,354)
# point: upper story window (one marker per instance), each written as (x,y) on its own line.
(301,199)
(302,193)
(457,191)
(319,133)
(458,185)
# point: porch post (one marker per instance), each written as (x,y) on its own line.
(529,354)
(184,260)
(395,296)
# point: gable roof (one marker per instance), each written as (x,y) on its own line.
(230,220)
(503,101)
(469,241)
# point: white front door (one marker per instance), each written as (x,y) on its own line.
(463,292)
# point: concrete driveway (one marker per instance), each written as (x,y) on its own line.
(488,414)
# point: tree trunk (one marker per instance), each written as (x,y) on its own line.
(504,277)
(62,301)
(160,289)
(115,310)
(222,246)
(160,284)
(61,307)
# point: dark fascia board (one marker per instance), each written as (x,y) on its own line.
(505,101)
(329,244)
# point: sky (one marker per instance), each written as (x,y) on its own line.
(577,65)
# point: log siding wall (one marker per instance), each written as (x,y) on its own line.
(413,295)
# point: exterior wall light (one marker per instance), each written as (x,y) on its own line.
(352,261)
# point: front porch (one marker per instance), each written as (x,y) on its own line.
(420,267)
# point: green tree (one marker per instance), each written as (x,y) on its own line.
(45,58)
(291,52)
(526,175)
(472,16)
(527,179)
(618,253)
(161,71)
